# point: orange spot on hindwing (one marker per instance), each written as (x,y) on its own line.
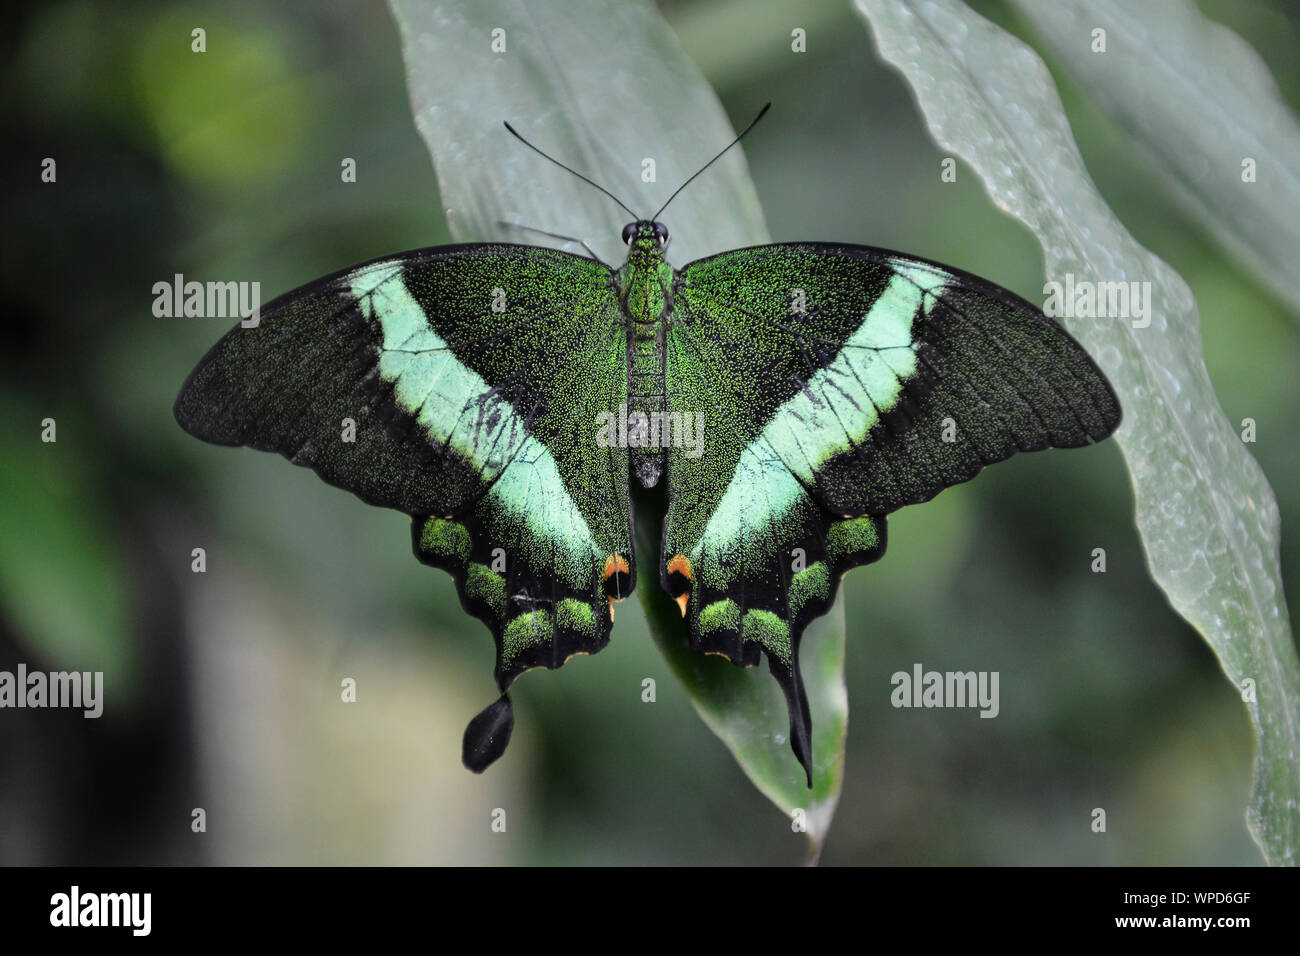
(680,564)
(615,563)
(680,578)
(617,578)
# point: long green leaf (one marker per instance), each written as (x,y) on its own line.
(1206,514)
(747,710)
(1207,105)
(604,86)
(601,85)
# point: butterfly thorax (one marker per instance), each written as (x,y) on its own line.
(645,293)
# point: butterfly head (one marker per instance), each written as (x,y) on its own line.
(646,236)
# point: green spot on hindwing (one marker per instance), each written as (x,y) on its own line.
(574,615)
(721,615)
(770,632)
(526,631)
(852,540)
(485,585)
(813,582)
(446,539)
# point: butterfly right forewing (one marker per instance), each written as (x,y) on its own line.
(460,385)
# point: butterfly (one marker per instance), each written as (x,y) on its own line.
(783,399)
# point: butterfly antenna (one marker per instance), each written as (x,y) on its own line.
(589,182)
(752,124)
(554,235)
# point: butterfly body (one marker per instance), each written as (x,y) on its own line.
(645,284)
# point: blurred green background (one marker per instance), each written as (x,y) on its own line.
(223,687)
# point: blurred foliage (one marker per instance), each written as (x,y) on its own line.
(225,165)
(56,539)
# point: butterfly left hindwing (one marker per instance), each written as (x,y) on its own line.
(837,384)
(470,376)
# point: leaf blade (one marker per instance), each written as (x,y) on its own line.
(1207,517)
(747,711)
(563,80)
(1207,104)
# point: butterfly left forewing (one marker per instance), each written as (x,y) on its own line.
(837,384)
